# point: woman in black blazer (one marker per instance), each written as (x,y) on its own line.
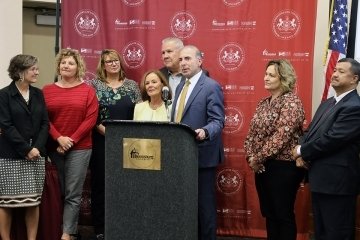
(23,133)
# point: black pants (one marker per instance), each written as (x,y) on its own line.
(334,216)
(97,167)
(207,204)
(277,188)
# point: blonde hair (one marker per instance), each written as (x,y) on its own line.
(286,73)
(68,52)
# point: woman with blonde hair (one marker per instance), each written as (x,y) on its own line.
(73,107)
(274,131)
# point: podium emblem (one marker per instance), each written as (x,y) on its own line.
(141,153)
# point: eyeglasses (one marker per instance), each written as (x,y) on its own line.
(109,62)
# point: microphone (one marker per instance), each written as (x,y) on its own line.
(165,93)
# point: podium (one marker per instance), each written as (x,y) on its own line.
(151,181)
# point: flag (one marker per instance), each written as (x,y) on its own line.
(338,36)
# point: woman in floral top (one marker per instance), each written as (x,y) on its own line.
(117,97)
(274,131)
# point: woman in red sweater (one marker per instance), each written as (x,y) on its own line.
(72,107)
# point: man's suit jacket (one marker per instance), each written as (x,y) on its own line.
(332,145)
(205,109)
(19,122)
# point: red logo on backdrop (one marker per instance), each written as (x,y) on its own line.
(134,55)
(183,25)
(231,56)
(229,181)
(233,3)
(133,3)
(286,24)
(234,120)
(86,23)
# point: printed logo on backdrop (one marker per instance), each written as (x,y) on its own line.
(134,24)
(234,120)
(232,24)
(286,24)
(134,54)
(229,181)
(86,50)
(183,25)
(233,3)
(89,76)
(231,56)
(133,3)
(267,53)
(86,23)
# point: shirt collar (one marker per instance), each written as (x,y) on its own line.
(194,79)
(341,96)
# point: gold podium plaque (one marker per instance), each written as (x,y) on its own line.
(139,153)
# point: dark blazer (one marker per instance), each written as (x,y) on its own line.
(22,126)
(205,109)
(332,145)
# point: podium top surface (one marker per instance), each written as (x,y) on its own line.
(149,123)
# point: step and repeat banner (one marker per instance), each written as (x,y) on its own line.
(237,38)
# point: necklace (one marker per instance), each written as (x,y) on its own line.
(115,85)
(24,93)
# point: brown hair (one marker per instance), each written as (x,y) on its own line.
(100,70)
(19,64)
(162,78)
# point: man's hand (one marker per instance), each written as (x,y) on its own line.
(301,163)
(295,152)
(200,134)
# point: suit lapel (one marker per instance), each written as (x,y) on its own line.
(319,119)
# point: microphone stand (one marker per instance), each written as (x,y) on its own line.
(167,103)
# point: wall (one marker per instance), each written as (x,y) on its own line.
(11,35)
(319,53)
(40,42)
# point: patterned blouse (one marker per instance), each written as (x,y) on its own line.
(116,103)
(275,128)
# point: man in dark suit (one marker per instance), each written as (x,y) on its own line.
(203,110)
(331,148)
